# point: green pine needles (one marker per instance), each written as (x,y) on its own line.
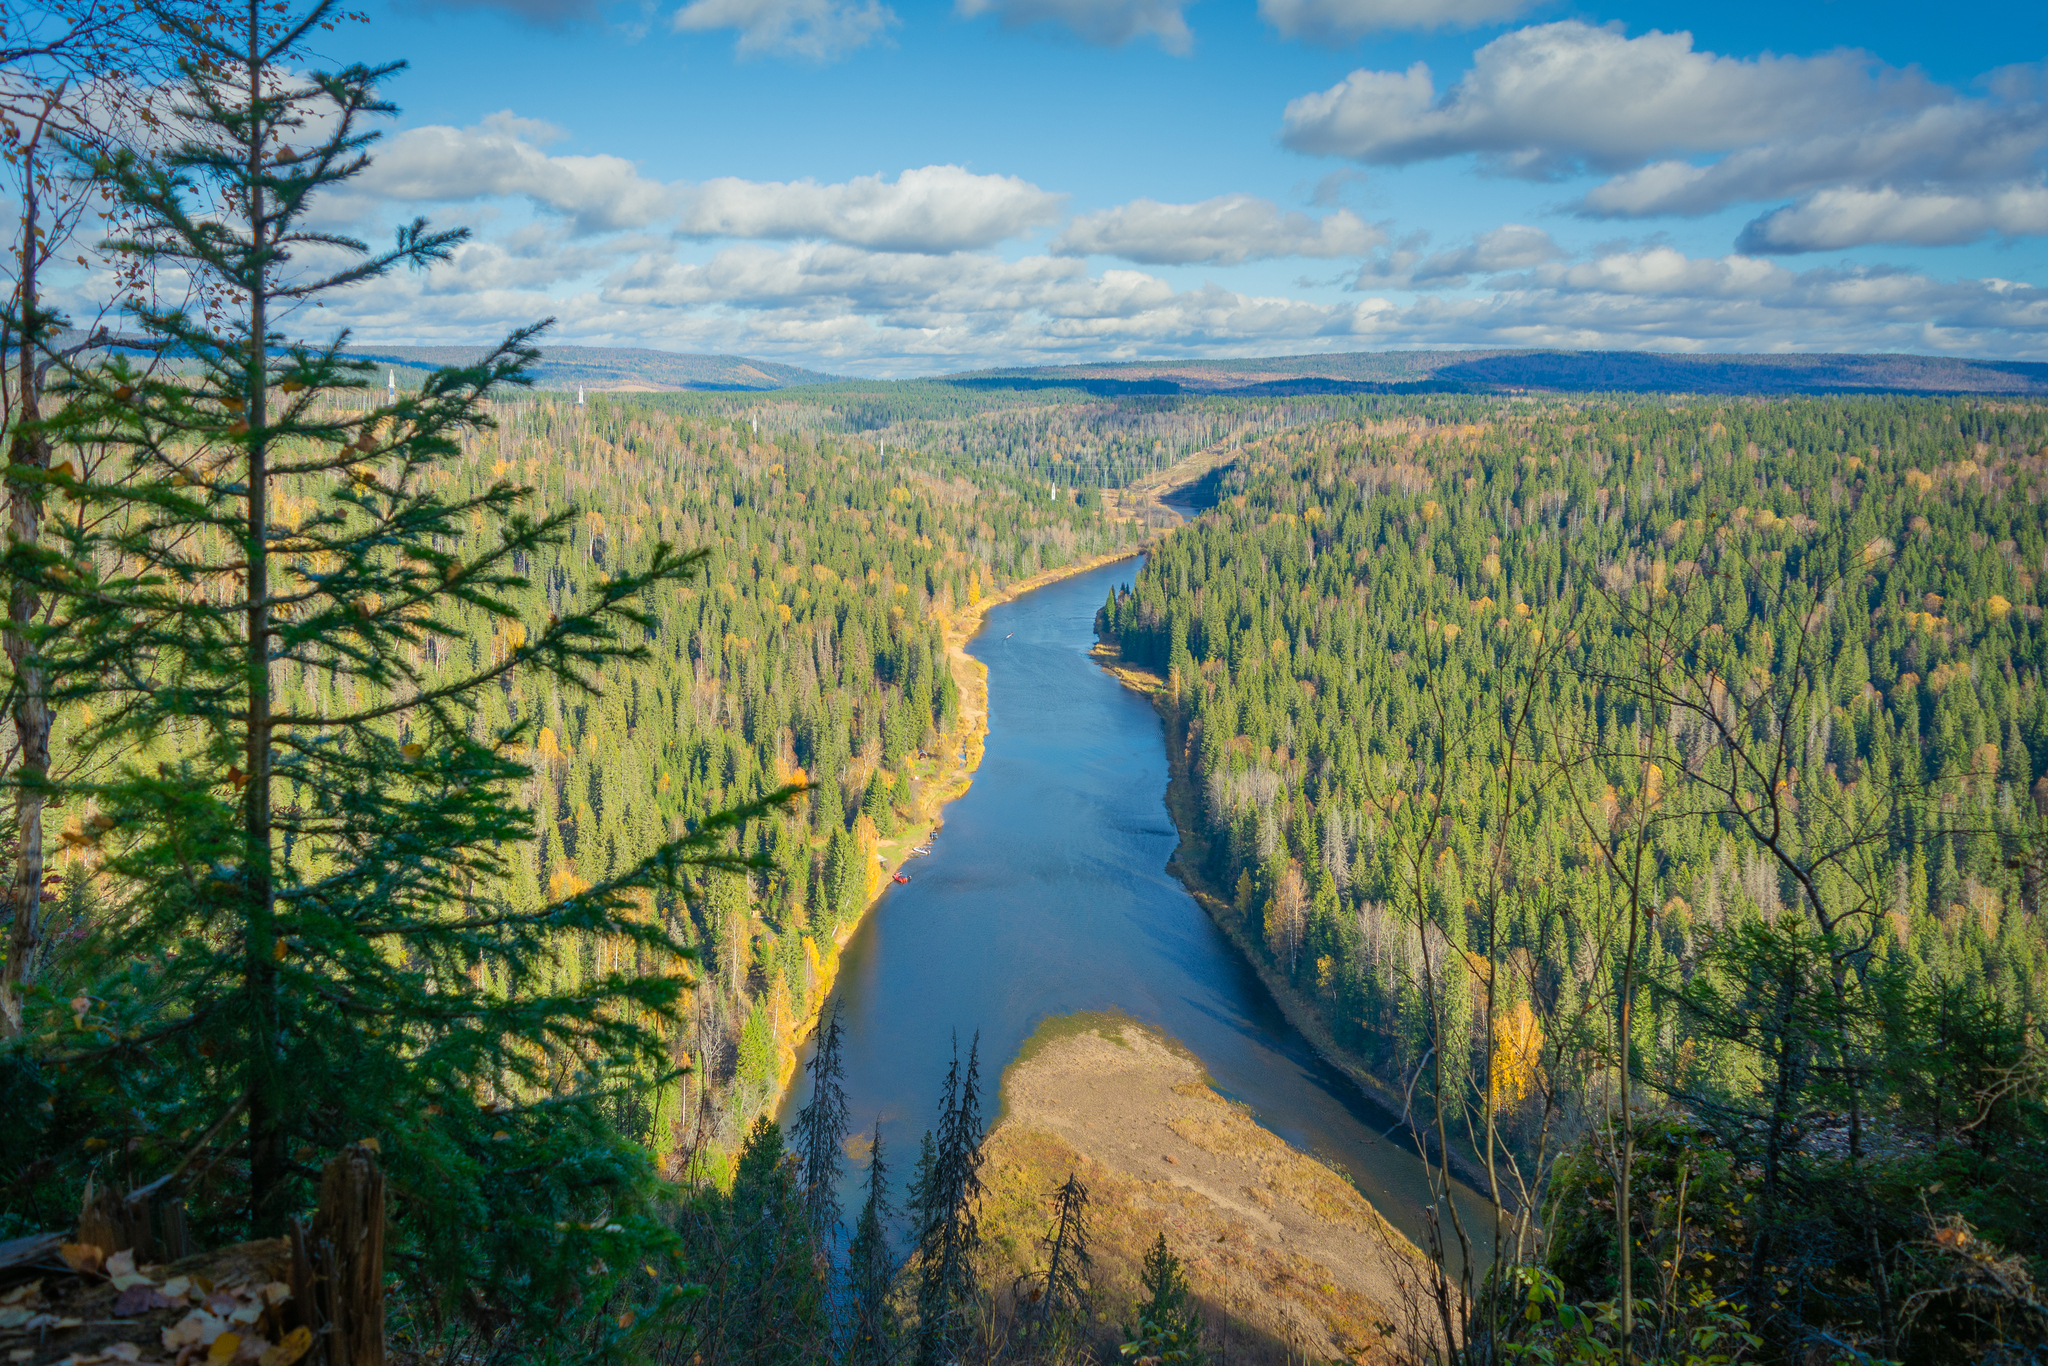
(945,1207)
(306,940)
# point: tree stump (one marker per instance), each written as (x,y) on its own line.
(337,1274)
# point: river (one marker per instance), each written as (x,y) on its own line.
(1047,892)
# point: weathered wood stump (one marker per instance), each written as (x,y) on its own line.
(337,1275)
(108,1297)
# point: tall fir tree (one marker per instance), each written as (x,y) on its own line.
(306,942)
(821,1135)
(946,1206)
(871,1271)
(1067,1260)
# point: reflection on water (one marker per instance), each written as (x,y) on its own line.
(1047,892)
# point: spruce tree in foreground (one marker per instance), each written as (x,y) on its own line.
(821,1135)
(1066,1250)
(308,942)
(871,1271)
(1169,1327)
(945,1203)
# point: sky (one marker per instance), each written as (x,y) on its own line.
(901,187)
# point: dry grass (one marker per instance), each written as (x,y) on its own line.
(1287,1259)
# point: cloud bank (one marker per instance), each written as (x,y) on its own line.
(1554,99)
(1869,153)
(931,209)
(1223,231)
(503,157)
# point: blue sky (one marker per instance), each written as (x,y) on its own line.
(909,187)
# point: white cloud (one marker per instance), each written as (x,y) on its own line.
(820,30)
(1956,142)
(1833,219)
(1222,231)
(964,307)
(930,209)
(1870,153)
(1338,21)
(503,157)
(1106,23)
(839,307)
(1514,246)
(1554,98)
(1950,173)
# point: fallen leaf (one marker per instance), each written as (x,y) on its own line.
(412,751)
(178,1287)
(83,1257)
(196,1329)
(140,1299)
(223,1348)
(124,1351)
(277,1292)
(293,1347)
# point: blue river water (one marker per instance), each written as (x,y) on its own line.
(1047,892)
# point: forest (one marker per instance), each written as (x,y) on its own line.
(1680,765)
(436,812)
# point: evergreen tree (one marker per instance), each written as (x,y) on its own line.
(871,1271)
(821,1135)
(307,943)
(1066,1249)
(1169,1327)
(762,1297)
(946,1206)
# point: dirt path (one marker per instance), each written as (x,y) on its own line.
(1285,1253)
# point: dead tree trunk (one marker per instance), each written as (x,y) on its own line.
(337,1276)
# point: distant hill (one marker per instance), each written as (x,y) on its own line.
(619,368)
(1546,371)
(630,369)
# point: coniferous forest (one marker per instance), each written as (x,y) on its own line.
(1654,784)
(436,814)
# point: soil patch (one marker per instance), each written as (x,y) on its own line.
(1290,1262)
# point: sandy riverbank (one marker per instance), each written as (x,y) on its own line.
(1289,1261)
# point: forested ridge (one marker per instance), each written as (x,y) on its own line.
(1063,436)
(1461,694)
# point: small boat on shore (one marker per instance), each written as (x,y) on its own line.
(900,877)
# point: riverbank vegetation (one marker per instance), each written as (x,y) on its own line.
(1656,794)
(473,786)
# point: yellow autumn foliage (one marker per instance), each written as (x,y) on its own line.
(1517,1055)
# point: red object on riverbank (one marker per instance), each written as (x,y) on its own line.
(900,877)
